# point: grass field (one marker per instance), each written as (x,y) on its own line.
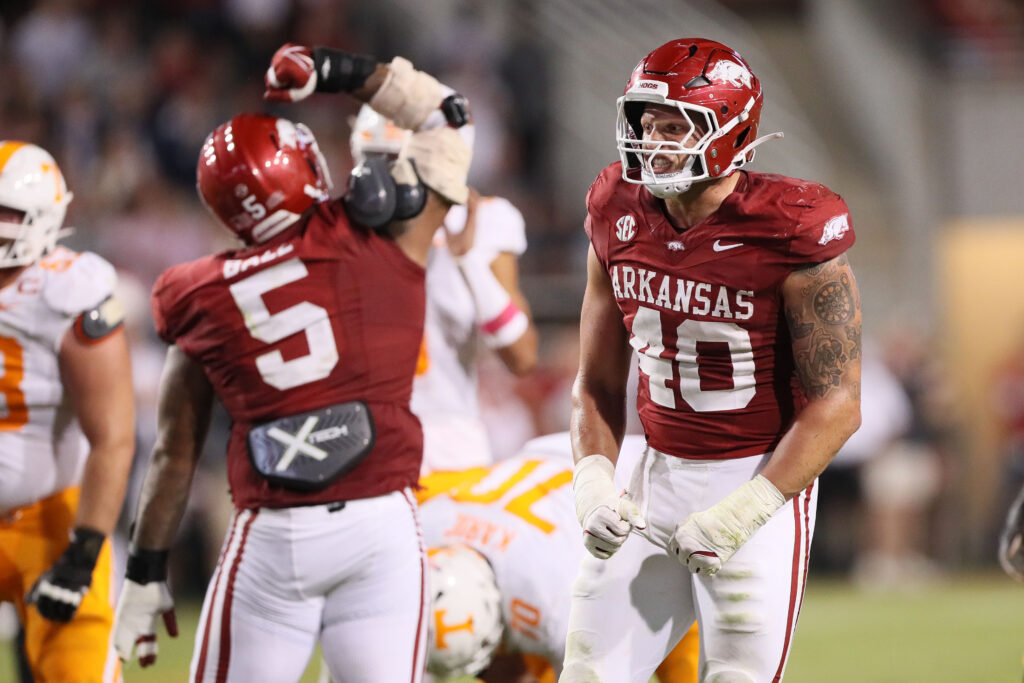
(967,630)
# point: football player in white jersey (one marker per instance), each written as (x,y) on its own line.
(504,554)
(66,425)
(473,298)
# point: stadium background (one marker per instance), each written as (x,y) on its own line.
(911,109)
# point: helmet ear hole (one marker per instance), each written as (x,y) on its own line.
(741,137)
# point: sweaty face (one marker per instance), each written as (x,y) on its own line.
(665,123)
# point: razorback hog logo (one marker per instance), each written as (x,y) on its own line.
(730,72)
(625,228)
(834,229)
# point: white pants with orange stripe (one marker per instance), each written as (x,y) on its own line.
(628,612)
(353,578)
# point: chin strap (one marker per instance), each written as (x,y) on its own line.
(741,157)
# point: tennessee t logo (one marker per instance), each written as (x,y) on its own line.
(442,630)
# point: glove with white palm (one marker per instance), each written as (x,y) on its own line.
(606,517)
(144,597)
(705,540)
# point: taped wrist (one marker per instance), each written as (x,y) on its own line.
(338,71)
(744,511)
(84,547)
(593,485)
(501,322)
(407,96)
(146,566)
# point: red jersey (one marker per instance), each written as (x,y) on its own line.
(704,306)
(321,314)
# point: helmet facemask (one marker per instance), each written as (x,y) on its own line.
(33,202)
(638,155)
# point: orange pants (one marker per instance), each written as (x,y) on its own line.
(679,667)
(79,651)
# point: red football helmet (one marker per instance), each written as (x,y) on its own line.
(715,90)
(258,174)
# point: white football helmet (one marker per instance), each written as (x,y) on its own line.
(465,623)
(32,185)
(374,134)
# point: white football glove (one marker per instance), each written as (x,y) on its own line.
(135,619)
(606,517)
(705,540)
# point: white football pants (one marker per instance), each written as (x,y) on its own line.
(353,578)
(629,611)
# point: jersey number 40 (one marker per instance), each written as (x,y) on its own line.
(647,339)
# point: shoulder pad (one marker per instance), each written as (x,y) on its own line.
(499,227)
(75,282)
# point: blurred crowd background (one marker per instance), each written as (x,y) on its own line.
(911,109)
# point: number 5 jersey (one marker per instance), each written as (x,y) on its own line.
(704,306)
(322,314)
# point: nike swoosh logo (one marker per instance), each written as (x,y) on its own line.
(718,246)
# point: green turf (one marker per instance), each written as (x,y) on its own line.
(967,630)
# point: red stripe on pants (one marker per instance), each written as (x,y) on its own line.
(793,588)
(225,614)
(213,599)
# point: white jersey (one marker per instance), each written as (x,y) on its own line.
(444,394)
(42,448)
(520,515)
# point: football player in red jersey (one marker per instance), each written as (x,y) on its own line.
(309,334)
(734,291)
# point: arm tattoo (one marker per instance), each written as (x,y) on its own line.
(833,303)
(821,363)
(823,315)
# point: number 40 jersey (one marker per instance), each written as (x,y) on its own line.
(704,307)
(322,314)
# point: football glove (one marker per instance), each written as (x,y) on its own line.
(606,517)
(296,72)
(58,592)
(705,540)
(291,76)
(144,597)
(1011,540)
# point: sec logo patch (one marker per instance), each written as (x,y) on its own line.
(625,228)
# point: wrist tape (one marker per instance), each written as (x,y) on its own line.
(84,547)
(501,322)
(743,512)
(593,485)
(338,71)
(146,566)
(407,96)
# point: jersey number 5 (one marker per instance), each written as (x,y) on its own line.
(302,317)
(647,339)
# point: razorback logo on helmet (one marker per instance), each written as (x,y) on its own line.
(834,229)
(287,133)
(730,72)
